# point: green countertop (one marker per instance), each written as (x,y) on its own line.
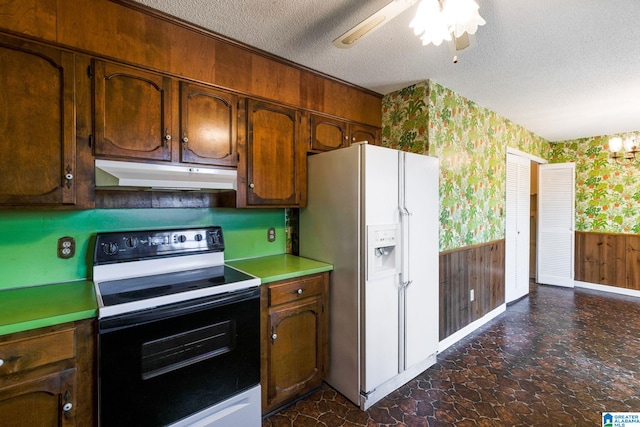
(279,267)
(22,309)
(34,307)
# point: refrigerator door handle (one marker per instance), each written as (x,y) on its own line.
(406,227)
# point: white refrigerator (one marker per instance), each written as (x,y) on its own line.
(373,212)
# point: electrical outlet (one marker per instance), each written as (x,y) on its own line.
(66,247)
(471,295)
(271,234)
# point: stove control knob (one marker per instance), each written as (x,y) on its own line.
(110,248)
(182,238)
(131,242)
(198,237)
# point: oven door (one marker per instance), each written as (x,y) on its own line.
(161,365)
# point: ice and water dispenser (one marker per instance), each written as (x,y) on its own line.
(382,253)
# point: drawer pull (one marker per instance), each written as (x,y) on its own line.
(13,358)
(299,291)
(10,359)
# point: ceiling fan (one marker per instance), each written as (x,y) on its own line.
(453,20)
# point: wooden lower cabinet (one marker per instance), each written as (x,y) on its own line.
(294,350)
(47,376)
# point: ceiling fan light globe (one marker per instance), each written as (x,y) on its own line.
(426,16)
(436,36)
(436,21)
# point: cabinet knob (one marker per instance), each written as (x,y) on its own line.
(68,176)
(167,137)
(274,336)
(299,291)
(252,185)
(1,362)
(67,407)
(185,139)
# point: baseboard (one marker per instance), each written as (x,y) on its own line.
(457,336)
(607,288)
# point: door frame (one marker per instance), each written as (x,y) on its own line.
(534,159)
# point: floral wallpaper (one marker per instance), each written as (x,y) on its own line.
(607,193)
(470,142)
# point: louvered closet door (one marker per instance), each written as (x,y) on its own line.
(556,218)
(517,233)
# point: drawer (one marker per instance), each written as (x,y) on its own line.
(28,353)
(294,290)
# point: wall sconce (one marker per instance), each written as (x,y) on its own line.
(623,150)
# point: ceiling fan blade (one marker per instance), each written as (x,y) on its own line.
(465,41)
(372,23)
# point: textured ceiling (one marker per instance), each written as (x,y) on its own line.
(563,69)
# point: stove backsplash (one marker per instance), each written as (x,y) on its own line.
(28,246)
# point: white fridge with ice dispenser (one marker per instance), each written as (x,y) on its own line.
(373,213)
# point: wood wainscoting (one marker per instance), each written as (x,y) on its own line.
(608,259)
(479,268)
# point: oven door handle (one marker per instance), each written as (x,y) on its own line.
(125,320)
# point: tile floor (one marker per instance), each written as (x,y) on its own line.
(559,357)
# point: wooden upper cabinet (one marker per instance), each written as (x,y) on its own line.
(361,132)
(275,162)
(208,126)
(328,133)
(132,113)
(37,124)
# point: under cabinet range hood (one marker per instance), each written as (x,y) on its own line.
(118,175)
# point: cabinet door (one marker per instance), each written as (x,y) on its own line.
(328,134)
(295,357)
(39,402)
(275,172)
(208,126)
(365,133)
(37,124)
(132,113)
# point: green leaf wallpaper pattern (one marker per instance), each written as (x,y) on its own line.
(607,193)
(470,142)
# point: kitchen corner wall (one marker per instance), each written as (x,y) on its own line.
(471,143)
(29,238)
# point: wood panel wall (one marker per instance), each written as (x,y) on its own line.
(131,33)
(479,267)
(608,259)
